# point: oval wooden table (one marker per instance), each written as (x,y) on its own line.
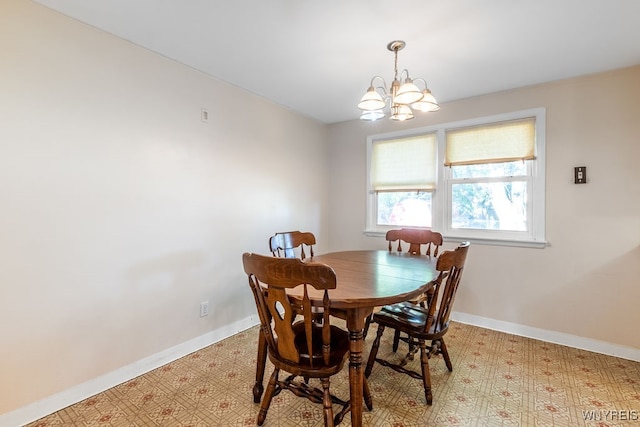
(366,279)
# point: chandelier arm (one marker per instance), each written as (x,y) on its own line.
(384,83)
(420,79)
(383,86)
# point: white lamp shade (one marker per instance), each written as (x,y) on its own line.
(408,93)
(371,101)
(427,103)
(401,113)
(372,115)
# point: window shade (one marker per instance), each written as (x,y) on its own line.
(499,142)
(404,164)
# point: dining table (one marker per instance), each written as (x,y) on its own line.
(365,279)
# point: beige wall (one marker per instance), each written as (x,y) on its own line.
(586,283)
(121,210)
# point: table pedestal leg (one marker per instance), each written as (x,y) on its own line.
(355,324)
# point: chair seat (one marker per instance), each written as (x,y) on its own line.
(409,318)
(338,352)
(337,356)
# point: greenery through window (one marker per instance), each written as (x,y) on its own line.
(404,208)
(489,196)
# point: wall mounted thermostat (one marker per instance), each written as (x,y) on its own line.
(580,175)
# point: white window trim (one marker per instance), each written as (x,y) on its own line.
(440,197)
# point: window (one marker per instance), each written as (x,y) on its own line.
(403,175)
(481,180)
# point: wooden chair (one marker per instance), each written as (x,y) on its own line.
(291,244)
(414,239)
(302,348)
(286,244)
(424,324)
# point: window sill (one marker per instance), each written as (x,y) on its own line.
(479,241)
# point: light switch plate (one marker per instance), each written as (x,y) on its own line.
(580,175)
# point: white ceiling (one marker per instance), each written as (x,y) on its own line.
(317,57)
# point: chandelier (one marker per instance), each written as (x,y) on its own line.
(402,98)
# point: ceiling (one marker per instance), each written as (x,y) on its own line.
(318,57)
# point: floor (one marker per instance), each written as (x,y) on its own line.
(497,380)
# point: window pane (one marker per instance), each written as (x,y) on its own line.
(404,208)
(489,170)
(490,206)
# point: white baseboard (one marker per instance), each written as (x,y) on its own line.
(554,337)
(46,406)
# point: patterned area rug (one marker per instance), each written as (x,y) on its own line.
(497,380)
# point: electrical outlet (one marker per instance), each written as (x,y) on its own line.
(204,308)
(204,115)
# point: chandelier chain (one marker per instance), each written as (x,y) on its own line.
(395,68)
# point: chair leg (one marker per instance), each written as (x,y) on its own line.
(396,340)
(412,346)
(445,355)
(326,403)
(367,323)
(261,362)
(266,400)
(367,395)
(426,376)
(374,351)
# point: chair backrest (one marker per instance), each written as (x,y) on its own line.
(450,266)
(284,244)
(269,279)
(415,238)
